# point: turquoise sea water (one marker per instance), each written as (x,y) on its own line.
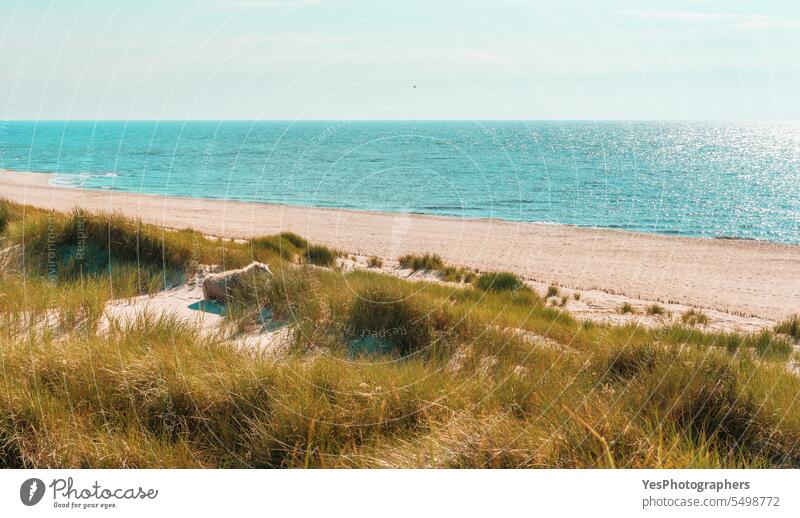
(696,179)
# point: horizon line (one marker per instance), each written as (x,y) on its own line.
(399,120)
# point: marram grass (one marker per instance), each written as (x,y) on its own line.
(472,378)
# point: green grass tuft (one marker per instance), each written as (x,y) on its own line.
(5,214)
(321,255)
(625,308)
(499,281)
(654,309)
(790,326)
(431,262)
(85,244)
(375,262)
(278,244)
(768,345)
(390,315)
(630,362)
(693,317)
(296,241)
(457,274)
(434,263)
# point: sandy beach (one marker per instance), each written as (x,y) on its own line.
(740,277)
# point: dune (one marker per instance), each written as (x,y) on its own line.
(750,278)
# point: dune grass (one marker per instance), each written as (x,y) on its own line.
(80,244)
(626,308)
(298,242)
(416,262)
(291,247)
(473,377)
(5,214)
(375,262)
(393,316)
(654,310)
(694,317)
(434,263)
(87,244)
(278,244)
(457,274)
(320,255)
(499,281)
(790,326)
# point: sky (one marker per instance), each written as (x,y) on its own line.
(409,59)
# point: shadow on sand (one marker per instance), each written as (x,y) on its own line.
(208,306)
(265,317)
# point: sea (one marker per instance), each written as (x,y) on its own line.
(733,180)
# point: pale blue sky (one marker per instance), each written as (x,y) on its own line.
(359,59)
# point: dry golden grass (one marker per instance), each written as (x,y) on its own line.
(468,377)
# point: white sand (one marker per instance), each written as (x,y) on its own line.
(740,277)
(184,302)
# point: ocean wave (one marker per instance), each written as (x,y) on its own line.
(110,174)
(64,181)
(641,177)
(77,180)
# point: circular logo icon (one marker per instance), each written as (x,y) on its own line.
(31,491)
